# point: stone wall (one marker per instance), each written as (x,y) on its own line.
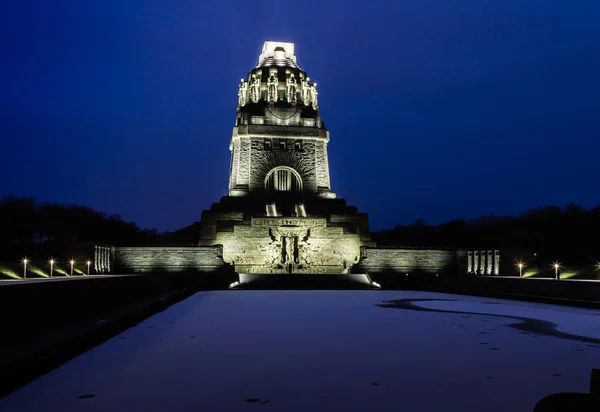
(256,150)
(302,160)
(289,245)
(169,259)
(376,260)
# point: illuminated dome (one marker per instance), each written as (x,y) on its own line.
(278,91)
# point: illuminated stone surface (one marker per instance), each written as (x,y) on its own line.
(169,259)
(281,215)
(278,124)
(408,260)
(327,351)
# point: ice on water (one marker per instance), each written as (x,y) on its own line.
(326,350)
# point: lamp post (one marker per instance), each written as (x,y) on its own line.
(520,269)
(89,262)
(556,266)
(25,260)
(71,262)
(51,267)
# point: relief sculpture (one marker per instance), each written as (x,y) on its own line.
(286,244)
(290,252)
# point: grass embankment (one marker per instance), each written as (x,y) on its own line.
(15,270)
(582,272)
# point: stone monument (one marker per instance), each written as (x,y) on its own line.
(280,215)
(280,219)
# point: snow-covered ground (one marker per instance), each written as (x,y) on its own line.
(329,351)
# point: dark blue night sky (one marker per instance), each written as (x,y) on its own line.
(437,109)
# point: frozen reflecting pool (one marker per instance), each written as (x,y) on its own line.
(329,351)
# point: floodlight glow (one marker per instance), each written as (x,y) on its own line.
(520,265)
(556,265)
(25,260)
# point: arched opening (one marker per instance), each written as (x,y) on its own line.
(283,179)
(284,187)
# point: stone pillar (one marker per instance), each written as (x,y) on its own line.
(490,261)
(470,261)
(482,262)
(235,162)
(110,256)
(363,252)
(100,257)
(496,262)
(322,165)
(111,259)
(476,262)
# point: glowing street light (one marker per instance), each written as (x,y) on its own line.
(520,269)
(556,265)
(72,262)
(25,260)
(88,263)
(51,266)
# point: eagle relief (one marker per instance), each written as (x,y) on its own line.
(287,243)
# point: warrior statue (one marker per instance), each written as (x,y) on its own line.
(314,93)
(289,249)
(272,88)
(254,89)
(306,91)
(291,89)
(242,93)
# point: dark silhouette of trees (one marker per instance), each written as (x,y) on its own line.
(25,222)
(571,230)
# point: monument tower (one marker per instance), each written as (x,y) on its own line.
(280,215)
(280,220)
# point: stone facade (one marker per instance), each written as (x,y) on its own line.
(168,259)
(374,260)
(255,243)
(278,124)
(290,245)
(280,215)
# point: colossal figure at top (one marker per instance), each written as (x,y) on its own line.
(280,215)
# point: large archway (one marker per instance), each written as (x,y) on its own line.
(284,187)
(283,179)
